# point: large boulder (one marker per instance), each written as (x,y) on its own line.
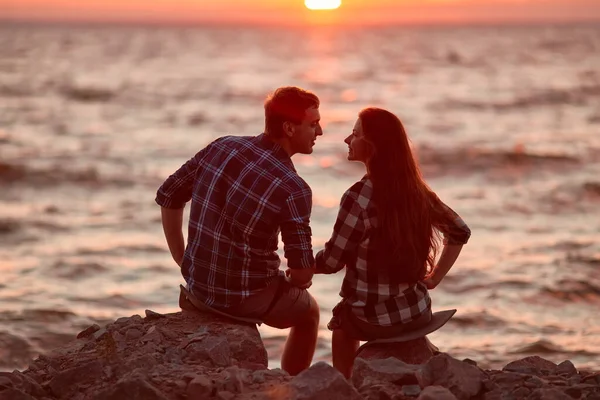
(147,358)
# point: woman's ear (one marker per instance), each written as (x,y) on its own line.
(289,129)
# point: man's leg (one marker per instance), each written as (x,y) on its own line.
(302,341)
(344,350)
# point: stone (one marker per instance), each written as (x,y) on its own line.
(411,390)
(548,394)
(566,368)
(133,334)
(200,388)
(66,381)
(14,394)
(88,331)
(225,395)
(385,370)
(379,391)
(150,315)
(533,365)
(415,351)
(322,381)
(462,379)
(215,348)
(436,393)
(132,388)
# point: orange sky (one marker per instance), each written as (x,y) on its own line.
(293,11)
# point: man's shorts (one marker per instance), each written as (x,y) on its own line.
(280,305)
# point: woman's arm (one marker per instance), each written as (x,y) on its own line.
(447,259)
(456,234)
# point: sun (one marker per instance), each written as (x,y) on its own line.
(322,4)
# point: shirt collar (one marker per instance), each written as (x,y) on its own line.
(277,150)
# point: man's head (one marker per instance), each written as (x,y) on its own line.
(292,119)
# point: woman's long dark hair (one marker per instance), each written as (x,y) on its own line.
(407,241)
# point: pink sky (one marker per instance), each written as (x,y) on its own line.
(293,11)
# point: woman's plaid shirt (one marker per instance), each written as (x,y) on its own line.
(373,297)
(244,192)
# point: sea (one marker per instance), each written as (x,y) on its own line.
(504,120)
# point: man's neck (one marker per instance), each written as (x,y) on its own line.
(283,142)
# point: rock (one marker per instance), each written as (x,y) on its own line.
(68,380)
(215,348)
(548,394)
(411,390)
(200,388)
(322,381)
(132,388)
(462,379)
(225,395)
(88,331)
(412,352)
(533,365)
(379,391)
(150,315)
(566,368)
(386,370)
(436,393)
(133,334)
(101,334)
(14,394)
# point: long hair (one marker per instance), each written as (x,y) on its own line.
(407,241)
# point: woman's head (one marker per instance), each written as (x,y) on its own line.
(400,194)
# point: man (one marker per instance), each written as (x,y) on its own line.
(243,192)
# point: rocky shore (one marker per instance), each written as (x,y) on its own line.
(187,355)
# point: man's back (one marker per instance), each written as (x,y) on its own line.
(243,190)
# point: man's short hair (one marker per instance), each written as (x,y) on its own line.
(287,103)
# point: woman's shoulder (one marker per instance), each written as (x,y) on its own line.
(360,192)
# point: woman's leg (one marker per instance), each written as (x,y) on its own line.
(343,352)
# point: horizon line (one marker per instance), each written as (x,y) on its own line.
(270,24)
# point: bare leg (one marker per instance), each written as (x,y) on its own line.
(344,350)
(301,342)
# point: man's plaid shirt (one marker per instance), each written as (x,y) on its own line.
(244,191)
(374,299)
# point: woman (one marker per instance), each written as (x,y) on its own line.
(387,236)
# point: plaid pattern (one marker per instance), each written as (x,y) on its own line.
(244,191)
(374,299)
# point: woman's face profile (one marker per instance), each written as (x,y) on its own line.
(358,148)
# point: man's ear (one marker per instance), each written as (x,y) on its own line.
(289,129)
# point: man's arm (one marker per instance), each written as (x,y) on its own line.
(296,235)
(172,222)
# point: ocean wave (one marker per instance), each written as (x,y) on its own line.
(478,319)
(57,174)
(579,95)
(544,346)
(573,290)
(74,271)
(470,160)
(88,92)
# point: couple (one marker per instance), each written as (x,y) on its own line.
(244,191)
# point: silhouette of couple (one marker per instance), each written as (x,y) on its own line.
(245,191)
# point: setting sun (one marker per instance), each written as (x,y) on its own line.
(322,4)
